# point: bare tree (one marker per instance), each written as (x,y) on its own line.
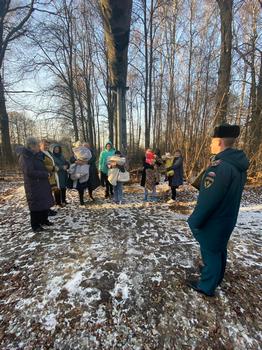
(13,22)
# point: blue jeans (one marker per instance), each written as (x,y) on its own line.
(118,192)
(153,192)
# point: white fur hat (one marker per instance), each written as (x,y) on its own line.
(167,156)
(77,144)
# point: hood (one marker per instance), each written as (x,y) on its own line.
(19,150)
(52,147)
(235,157)
(24,151)
(109,143)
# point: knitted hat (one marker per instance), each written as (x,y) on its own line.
(150,157)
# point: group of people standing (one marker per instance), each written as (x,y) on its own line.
(48,175)
(154,165)
(46,171)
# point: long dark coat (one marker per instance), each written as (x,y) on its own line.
(60,162)
(177,178)
(37,187)
(93,181)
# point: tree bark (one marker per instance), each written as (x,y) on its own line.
(256,115)
(222,95)
(116,19)
(7,154)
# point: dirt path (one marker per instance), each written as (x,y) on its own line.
(110,277)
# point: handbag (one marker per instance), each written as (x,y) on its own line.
(123,176)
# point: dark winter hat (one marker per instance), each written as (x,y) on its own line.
(226,131)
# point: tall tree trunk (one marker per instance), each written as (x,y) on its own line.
(242,96)
(116,16)
(147,129)
(256,116)
(222,95)
(7,154)
(89,111)
(74,119)
(150,71)
(188,86)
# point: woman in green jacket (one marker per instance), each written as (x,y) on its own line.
(109,151)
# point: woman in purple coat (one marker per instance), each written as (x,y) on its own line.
(37,187)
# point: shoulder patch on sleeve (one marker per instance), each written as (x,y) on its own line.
(216,162)
(208,181)
(212,174)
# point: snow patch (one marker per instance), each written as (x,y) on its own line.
(50,322)
(73,284)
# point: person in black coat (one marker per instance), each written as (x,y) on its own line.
(61,165)
(177,178)
(37,187)
(93,181)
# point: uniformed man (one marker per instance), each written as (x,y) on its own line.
(215,214)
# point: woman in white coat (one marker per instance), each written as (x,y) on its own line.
(116,165)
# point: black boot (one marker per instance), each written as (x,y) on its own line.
(52,212)
(81,197)
(91,195)
(194,285)
(48,223)
(38,229)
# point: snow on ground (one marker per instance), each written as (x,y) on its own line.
(113,277)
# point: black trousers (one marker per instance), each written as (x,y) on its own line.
(90,192)
(60,196)
(38,218)
(81,196)
(174,188)
(107,184)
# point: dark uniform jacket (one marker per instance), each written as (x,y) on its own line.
(215,215)
(37,187)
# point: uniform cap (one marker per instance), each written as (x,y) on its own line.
(226,131)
